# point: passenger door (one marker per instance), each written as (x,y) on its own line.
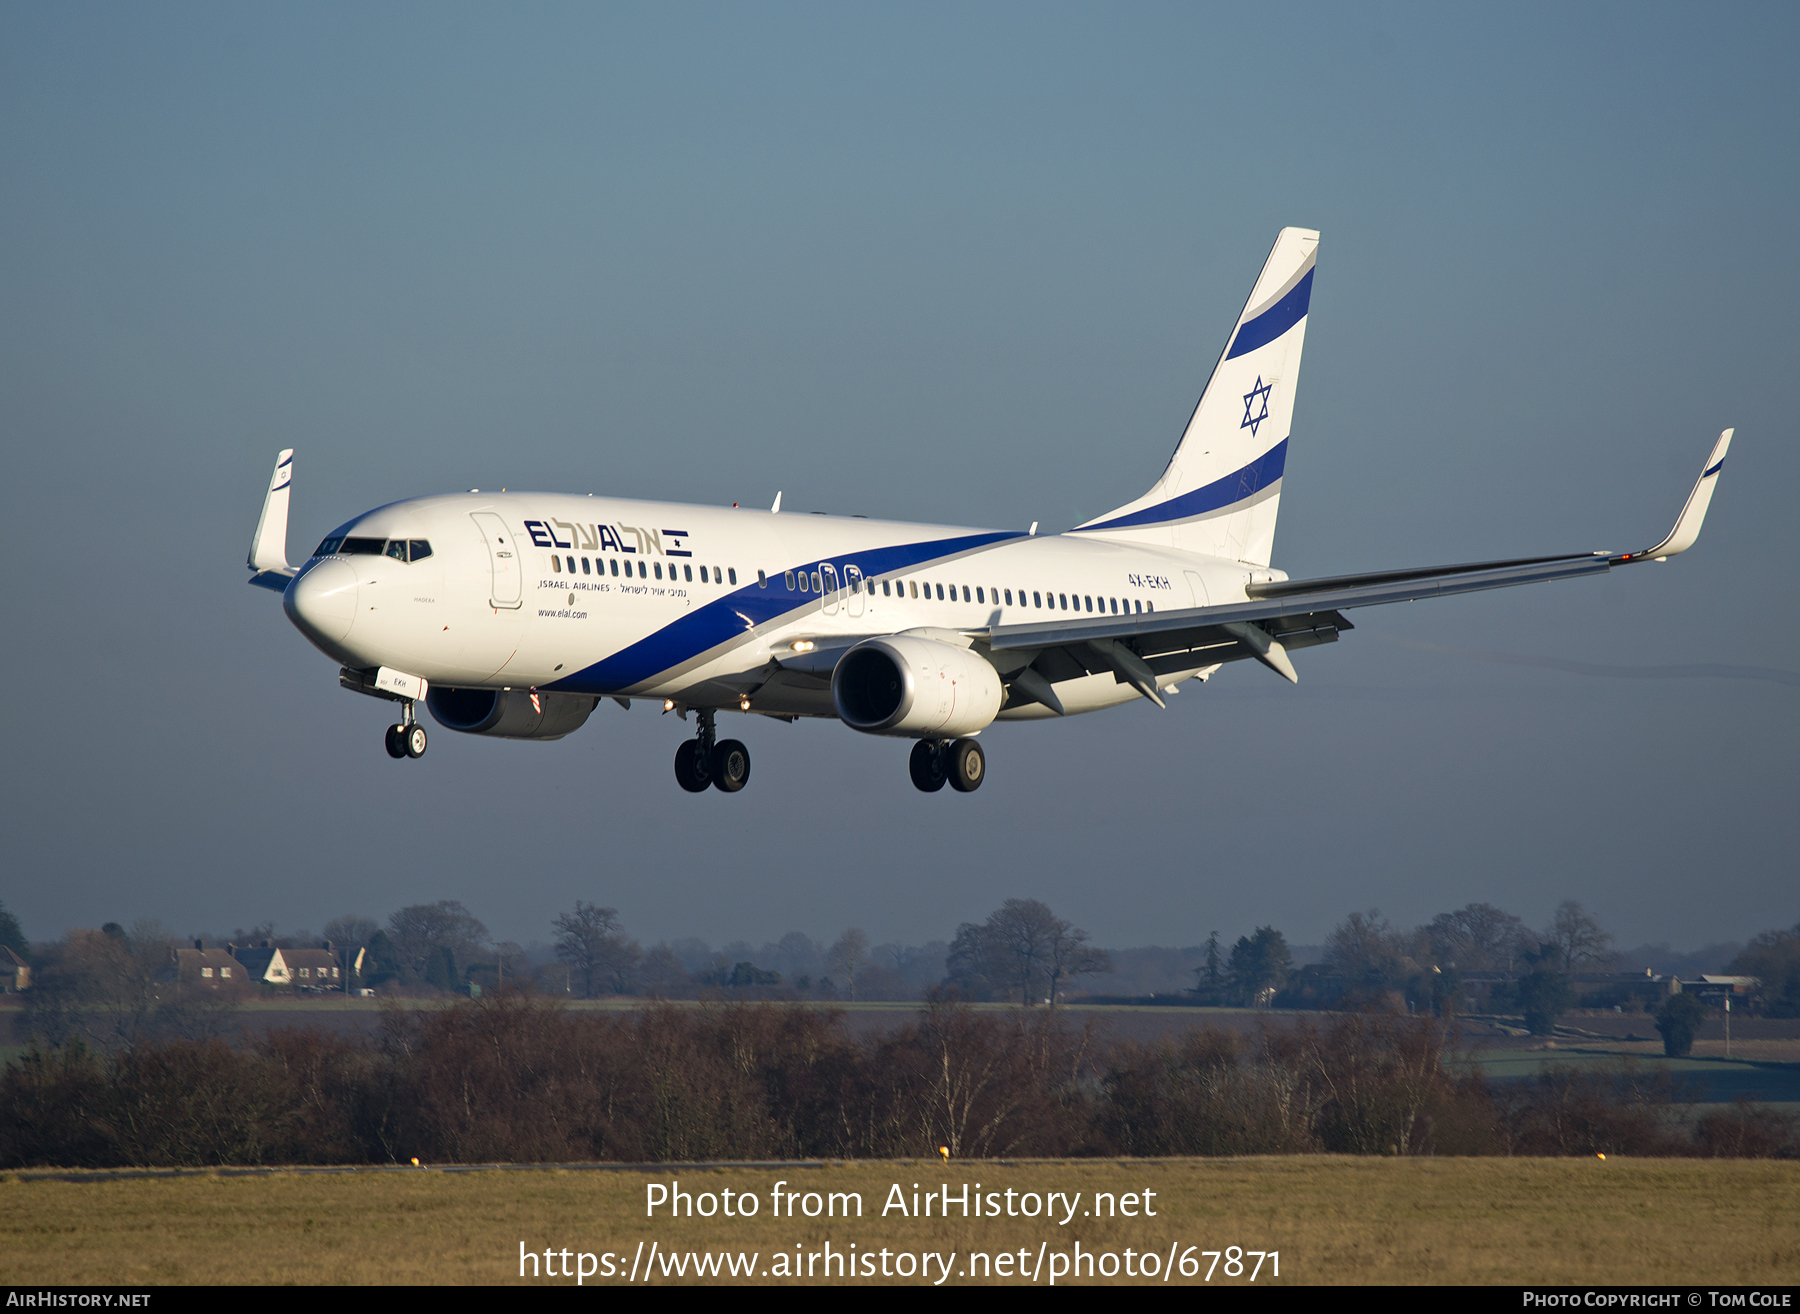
(853,585)
(503,556)
(828,588)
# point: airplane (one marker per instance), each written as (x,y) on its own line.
(513,615)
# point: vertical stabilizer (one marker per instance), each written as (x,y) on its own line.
(1221,491)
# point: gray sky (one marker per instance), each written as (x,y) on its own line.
(959,263)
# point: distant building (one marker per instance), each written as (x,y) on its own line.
(210,969)
(264,963)
(322,968)
(302,969)
(15,972)
(1720,987)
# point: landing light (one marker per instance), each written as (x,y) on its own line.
(804,645)
(668,704)
(743,704)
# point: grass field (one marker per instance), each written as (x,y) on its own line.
(1333,1220)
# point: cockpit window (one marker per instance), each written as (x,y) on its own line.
(368,547)
(420,549)
(329,546)
(396,549)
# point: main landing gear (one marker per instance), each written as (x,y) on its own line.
(406,739)
(961,764)
(723,764)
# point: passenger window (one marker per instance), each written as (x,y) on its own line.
(1150,606)
(940,591)
(1037,599)
(979,595)
(790,581)
(805,582)
(615,566)
(717,580)
(556,563)
(1009,597)
(966,597)
(818,585)
(687,573)
(643,570)
(1087,603)
(1064,599)
(397,549)
(915,588)
(657,567)
(884,589)
(584,565)
(1115,606)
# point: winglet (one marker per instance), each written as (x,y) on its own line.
(1693,514)
(268,548)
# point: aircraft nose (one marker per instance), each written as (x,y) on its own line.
(322,602)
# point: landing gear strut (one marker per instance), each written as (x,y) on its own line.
(933,763)
(706,760)
(407,739)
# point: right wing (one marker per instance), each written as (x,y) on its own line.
(1285,614)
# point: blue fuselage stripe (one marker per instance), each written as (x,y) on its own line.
(738,614)
(1274,321)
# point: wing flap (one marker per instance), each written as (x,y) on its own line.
(1162,631)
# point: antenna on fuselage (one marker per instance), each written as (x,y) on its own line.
(775,510)
(1032,532)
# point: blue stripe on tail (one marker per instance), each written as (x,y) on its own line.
(1217,495)
(1274,321)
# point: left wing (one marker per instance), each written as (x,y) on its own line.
(1282,615)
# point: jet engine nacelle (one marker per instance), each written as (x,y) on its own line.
(508,713)
(906,685)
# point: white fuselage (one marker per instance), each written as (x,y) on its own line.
(625,598)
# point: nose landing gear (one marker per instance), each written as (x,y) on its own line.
(723,764)
(407,739)
(934,763)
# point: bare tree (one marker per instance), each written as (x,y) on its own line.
(1367,951)
(972,962)
(592,941)
(662,973)
(104,985)
(1477,937)
(847,956)
(420,934)
(1577,937)
(351,930)
(1069,955)
(1022,929)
